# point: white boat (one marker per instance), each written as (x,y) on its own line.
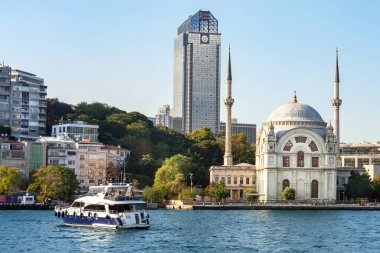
(115,206)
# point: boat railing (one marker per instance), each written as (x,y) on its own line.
(121,198)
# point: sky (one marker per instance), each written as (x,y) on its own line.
(121,53)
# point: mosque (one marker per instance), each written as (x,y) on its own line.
(295,148)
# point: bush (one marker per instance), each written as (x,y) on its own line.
(289,194)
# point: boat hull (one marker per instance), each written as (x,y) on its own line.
(108,223)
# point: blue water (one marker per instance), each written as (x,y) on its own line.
(199,231)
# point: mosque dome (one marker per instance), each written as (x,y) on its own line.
(295,112)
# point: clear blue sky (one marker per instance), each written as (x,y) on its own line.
(121,53)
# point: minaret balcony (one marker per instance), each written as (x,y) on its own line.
(229,101)
(336,102)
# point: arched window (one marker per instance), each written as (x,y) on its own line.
(314,189)
(285,183)
(300,159)
(313,147)
(288,146)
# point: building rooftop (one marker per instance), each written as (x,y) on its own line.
(200,22)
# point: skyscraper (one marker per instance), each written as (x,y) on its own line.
(197,73)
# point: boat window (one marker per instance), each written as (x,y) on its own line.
(95,207)
(140,207)
(77,204)
(120,208)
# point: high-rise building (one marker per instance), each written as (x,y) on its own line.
(163,117)
(197,73)
(248,129)
(28,104)
(5,95)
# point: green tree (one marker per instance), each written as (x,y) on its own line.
(219,191)
(56,111)
(151,194)
(359,186)
(376,188)
(55,182)
(242,152)
(169,177)
(288,193)
(12,180)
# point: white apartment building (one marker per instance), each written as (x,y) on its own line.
(77,131)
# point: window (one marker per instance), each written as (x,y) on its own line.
(288,146)
(313,147)
(301,139)
(286,161)
(228,180)
(314,189)
(216,179)
(223,179)
(300,159)
(285,183)
(241,180)
(235,180)
(247,180)
(314,162)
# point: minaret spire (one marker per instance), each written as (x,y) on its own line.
(228,101)
(336,102)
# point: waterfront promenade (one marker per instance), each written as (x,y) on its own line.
(197,205)
(283,206)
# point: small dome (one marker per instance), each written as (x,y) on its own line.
(295,112)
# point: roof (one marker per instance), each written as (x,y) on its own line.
(361,144)
(295,111)
(114,148)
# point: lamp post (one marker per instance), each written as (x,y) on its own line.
(122,173)
(191,182)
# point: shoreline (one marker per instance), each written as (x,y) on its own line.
(25,207)
(341,207)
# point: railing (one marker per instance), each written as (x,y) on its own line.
(122,198)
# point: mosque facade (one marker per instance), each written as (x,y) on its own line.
(295,148)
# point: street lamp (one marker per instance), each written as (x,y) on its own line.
(191,182)
(122,172)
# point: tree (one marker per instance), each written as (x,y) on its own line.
(376,188)
(288,193)
(55,182)
(219,191)
(12,180)
(359,186)
(151,194)
(168,178)
(56,111)
(242,152)
(111,171)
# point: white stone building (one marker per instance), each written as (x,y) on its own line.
(297,149)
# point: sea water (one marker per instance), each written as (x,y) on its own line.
(199,231)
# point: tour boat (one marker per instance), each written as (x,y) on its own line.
(114,206)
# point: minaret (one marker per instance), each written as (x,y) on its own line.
(336,102)
(228,101)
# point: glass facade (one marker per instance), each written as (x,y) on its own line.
(77,131)
(35,157)
(197,73)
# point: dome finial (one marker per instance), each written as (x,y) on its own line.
(295,97)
